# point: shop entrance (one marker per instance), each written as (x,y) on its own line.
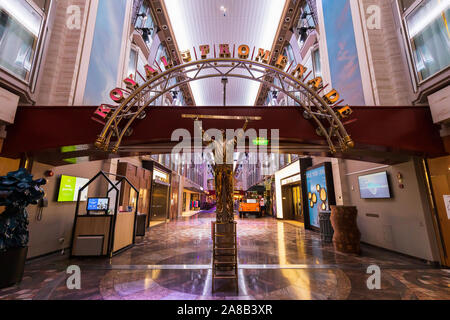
(292,202)
(159,202)
(297,203)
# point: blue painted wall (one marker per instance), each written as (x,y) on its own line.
(105,55)
(342,51)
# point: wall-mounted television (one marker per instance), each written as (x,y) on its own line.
(374,186)
(68,189)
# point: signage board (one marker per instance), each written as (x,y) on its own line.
(292,179)
(319,192)
(68,189)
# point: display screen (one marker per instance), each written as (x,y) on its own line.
(98,204)
(68,189)
(374,186)
(316,182)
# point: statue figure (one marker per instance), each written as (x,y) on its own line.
(223,175)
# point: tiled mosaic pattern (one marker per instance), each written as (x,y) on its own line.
(278,261)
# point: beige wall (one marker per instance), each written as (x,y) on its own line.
(57,219)
(384,68)
(381,55)
(404,222)
(59,70)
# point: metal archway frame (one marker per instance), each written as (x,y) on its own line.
(118,124)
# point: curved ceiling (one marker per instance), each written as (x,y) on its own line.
(199,22)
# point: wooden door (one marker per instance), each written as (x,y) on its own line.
(440,180)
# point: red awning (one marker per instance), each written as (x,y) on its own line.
(381,134)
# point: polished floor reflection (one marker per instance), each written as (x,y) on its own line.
(277,260)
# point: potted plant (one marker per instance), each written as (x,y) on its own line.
(17,191)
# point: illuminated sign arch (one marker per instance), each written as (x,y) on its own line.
(322,110)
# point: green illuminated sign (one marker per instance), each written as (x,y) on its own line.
(261,142)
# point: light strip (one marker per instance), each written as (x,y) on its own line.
(264,39)
(428,18)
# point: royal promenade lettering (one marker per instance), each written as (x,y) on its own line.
(299,72)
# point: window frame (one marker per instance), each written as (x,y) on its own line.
(417,83)
(37,58)
(298,24)
(149,14)
(313,50)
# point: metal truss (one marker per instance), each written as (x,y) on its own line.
(310,103)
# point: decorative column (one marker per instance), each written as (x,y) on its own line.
(223,175)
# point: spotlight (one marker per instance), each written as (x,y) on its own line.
(275,94)
(224,11)
(306,14)
(146,32)
(174,94)
(303,32)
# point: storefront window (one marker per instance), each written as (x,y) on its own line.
(161,52)
(309,65)
(132,64)
(316,62)
(20,27)
(429,37)
(289,52)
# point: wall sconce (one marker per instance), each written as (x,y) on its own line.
(400,181)
(49,173)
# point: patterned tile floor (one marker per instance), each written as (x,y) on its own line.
(278,260)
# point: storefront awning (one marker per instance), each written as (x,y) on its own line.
(257,188)
(193,189)
(381,134)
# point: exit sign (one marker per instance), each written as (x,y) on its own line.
(261,142)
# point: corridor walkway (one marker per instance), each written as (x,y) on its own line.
(277,260)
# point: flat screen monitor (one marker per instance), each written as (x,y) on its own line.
(98,204)
(374,186)
(69,187)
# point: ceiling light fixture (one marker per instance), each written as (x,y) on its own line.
(185,36)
